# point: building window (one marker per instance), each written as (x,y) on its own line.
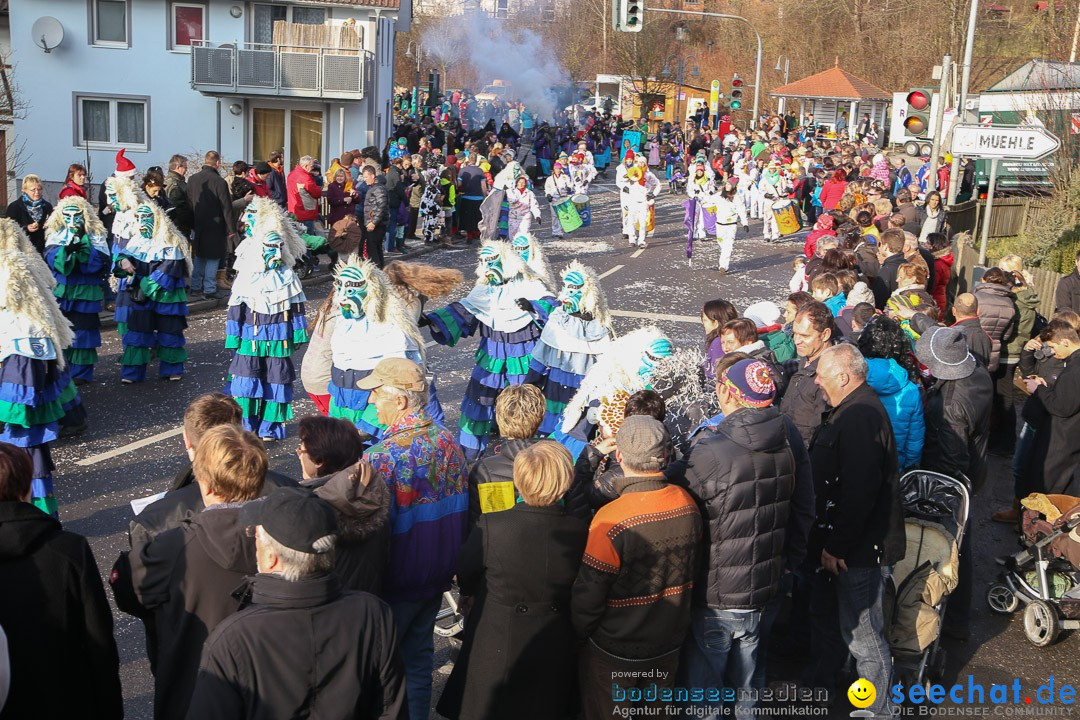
(112,122)
(502,9)
(547,11)
(187,25)
(109,23)
(266,16)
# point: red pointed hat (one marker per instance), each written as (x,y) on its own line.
(124,167)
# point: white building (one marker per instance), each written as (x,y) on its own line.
(158,77)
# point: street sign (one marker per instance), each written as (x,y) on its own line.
(1003,141)
(1074,128)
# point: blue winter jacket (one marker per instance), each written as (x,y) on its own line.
(903,402)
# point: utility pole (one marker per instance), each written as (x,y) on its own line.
(965,82)
(725,16)
(939,121)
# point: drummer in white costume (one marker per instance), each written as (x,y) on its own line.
(771,187)
(581,174)
(638,198)
(623,184)
(557,188)
(730,212)
(652,185)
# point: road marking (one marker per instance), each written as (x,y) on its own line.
(100,457)
(637,253)
(656,316)
(613,270)
(430,343)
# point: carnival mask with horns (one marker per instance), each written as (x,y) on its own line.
(74,220)
(351,291)
(521,247)
(271,251)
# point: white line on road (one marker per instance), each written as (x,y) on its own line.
(100,457)
(612,271)
(430,343)
(637,253)
(656,316)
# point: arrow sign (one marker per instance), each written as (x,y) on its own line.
(1003,141)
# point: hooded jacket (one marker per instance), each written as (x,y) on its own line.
(750,476)
(312,649)
(187,576)
(1027,306)
(903,402)
(997,315)
(64,662)
(942,267)
(363,509)
(857,485)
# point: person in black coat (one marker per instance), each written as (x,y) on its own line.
(891,255)
(187,575)
(1055,465)
(859,528)
(31,211)
(214,225)
(64,662)
(520,565)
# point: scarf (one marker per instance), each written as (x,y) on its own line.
(36,208)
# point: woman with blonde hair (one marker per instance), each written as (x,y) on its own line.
(519,565)
(31,210)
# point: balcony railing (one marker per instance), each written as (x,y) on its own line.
(254,69)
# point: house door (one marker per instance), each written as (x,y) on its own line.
(296,132)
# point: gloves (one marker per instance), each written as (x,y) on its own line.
(548,198)
(525,305)
(626,189)
(423,321)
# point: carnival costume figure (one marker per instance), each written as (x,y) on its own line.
(581,173)
(558,188)
(77,253)
(626,367)
(523,207)
(153,265)
(375,323)
(34,385)
(577,332)
(508,305)
(266,321)
(529,249)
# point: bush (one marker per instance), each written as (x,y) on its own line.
(1052,242)
(1062,258)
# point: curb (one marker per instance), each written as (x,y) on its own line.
(203,306)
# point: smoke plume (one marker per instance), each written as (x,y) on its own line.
(518,57)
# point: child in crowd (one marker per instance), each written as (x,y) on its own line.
(826,289)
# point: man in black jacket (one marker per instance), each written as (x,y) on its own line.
(1067,296)
(966,311)
(859,531)
(279,193)
(375,214)
(302,646)
(187,575)
(176,192)
(213,225)
(751,478)
(1056,457)
(814,331)
(957,412)
(891,256)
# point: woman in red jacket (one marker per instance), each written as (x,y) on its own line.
(833,190)
(943,262)
(75,183)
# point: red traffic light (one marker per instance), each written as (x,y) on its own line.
(915,125)
(736,82)
(918,100)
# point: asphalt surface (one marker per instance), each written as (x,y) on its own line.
(133,446)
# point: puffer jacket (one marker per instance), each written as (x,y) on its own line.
(376,211)
(751,478)
(997,315)
(1027,305)
(903,402)
(943,263)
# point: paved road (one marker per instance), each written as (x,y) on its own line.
(133,445)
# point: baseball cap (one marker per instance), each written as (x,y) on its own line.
(643,442)
(297,518)
(400,373)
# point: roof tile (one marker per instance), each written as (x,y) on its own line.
(834,83)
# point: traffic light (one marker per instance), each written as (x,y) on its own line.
(917,112)
(736,92)
(433,88)
(630,16)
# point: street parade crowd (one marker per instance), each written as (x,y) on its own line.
(627,522)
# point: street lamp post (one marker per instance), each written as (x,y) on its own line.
(416,86)
(680,77)
(787,69)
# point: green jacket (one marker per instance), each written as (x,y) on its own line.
(1027,304)
(781,344)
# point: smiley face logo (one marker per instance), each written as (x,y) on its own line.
(862,693)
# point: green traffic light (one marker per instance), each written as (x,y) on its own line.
(735,104)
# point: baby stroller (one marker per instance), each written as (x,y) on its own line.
(677,184)
(1045,575)
(935,510)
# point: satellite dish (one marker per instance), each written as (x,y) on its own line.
(47,33)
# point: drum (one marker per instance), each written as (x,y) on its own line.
(786,216)
(581,202)
(567,214)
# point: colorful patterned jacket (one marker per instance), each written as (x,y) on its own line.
(425,471)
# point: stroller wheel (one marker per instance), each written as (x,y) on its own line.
(1041,623)
(1001,599)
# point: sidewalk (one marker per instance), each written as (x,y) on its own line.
(201,306)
